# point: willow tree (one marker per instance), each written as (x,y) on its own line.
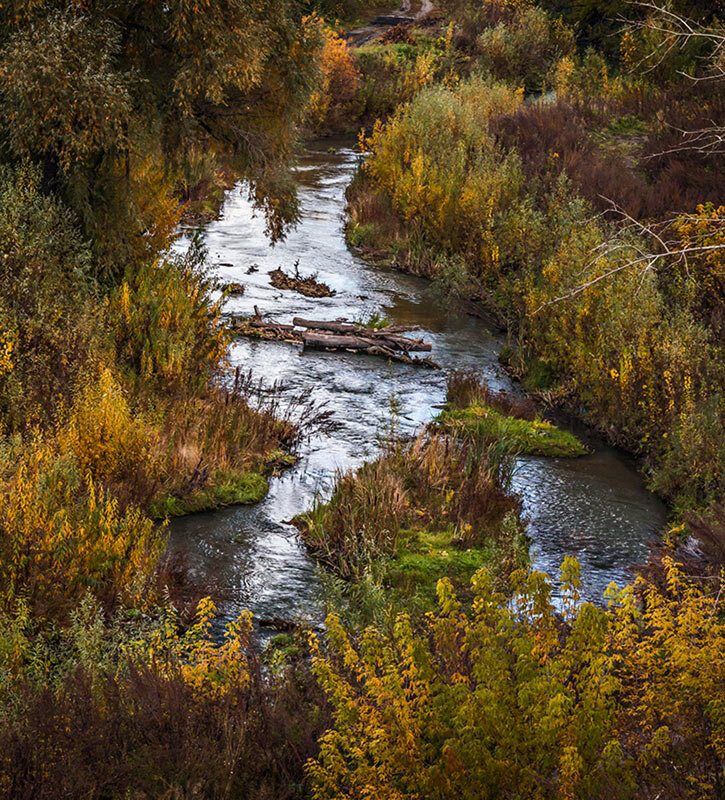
(109,99)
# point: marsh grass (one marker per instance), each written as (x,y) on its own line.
(495,417)
(466,388)
(434,482)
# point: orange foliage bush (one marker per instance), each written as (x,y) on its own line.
(340,80)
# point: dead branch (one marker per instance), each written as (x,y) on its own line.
(651,244)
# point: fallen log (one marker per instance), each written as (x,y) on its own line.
(388,334)
(327,340)
(409,345)
(258,323)
(255,328)
(358,344)
(340,326)
(362,341)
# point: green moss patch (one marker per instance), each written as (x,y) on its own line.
(427,556)
(531,437)
(224,489)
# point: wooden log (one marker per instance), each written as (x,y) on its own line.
(387,335)
(257,323)
(351,338)
(328,340)
(349,342)
(321,325)
(338,326)
(402,357)
(411,345)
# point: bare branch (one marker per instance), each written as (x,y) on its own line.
(651,243)
(678,32)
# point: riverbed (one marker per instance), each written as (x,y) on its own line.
(595,508)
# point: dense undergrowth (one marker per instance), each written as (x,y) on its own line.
(585,222)
(505,697)
(116,398)
(452,670)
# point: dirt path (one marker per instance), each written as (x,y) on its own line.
(409,11)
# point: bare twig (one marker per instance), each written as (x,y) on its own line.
(651,244)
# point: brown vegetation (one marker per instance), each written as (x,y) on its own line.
(465,388)
(151,736)
(308,286)
(635,165)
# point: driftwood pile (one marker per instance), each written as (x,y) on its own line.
(387,342)
(234,289)
(309,286)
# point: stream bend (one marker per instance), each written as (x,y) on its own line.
(595,508)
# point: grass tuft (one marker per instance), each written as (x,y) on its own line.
(225,489)
(473,409)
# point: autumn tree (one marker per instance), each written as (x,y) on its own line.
(110,98)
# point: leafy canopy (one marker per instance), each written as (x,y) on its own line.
(110,99)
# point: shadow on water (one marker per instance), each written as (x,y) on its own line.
(595,508)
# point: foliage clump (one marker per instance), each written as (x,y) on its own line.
(508,697)
(473,409)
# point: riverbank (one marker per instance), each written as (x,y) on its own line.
(439,506)
(595,508)
(648,380)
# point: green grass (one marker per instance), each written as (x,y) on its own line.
(540,375)
(375,321)
(530,437)
(362,234)
(427,556)
(225,489)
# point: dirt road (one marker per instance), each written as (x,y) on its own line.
(409,11)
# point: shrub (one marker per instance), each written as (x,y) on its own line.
(138,708)
(525,50)
(166,327)
(509,698)
(340,81)
(458,186)
(48,325)
(107,442)
(60,535)
(513,40)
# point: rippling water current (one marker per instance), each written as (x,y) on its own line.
(595,508)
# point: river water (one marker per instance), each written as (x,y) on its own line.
(595,508)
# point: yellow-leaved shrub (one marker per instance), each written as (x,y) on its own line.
(106,440)
(60,535)
(167,329)
(442,170)
(514,697)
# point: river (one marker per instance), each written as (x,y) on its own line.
(595,508)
